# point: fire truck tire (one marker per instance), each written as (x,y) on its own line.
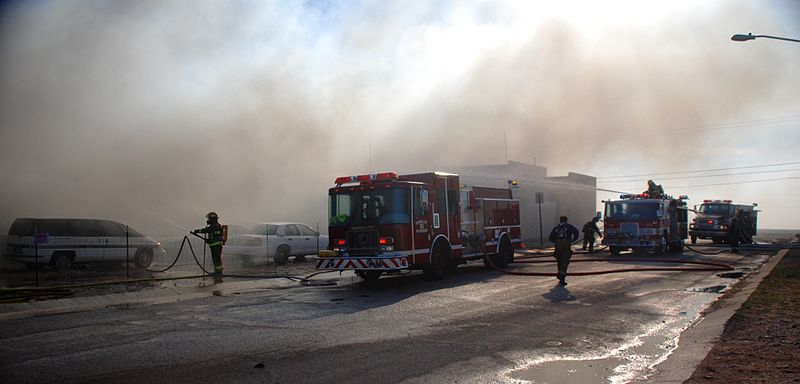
(440,263)
(282,255)
(676,246)
(615,250)
(369,275)
(505,254)
(694,239)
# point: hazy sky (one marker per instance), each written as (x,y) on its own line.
(154,112)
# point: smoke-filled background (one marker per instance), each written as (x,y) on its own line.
(155,112)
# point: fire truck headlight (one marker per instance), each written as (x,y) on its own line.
(387,248)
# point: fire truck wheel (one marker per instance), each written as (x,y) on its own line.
(676,246)
(694,239)
(505,254)
(369,275)
(615,250)
(440,262)
(282,255)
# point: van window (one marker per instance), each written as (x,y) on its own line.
(80,228)
(21,227)
(112,229)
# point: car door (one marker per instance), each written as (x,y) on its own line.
(309,238)
(295,239)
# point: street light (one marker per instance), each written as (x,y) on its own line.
(750,36)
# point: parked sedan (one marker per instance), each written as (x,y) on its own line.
(277,241)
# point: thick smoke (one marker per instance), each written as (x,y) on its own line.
(153,113)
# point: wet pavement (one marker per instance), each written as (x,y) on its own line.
(477,326)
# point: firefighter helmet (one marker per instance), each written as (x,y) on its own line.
(212,216)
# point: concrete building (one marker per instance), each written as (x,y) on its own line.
(573,195)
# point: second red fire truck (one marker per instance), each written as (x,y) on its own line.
(386,222)
(645,223)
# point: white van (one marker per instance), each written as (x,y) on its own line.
(64,242)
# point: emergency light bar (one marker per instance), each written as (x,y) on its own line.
(367,178)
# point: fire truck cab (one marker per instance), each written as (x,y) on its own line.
(642,222)
(385,222)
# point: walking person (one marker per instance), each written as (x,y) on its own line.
(563,235)
(215,240)
(733,234)
(589,229)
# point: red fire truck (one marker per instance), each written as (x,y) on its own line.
(644,222)
(384,222)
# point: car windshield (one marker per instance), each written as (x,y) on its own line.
(715,209)
(385,206)
(632,210)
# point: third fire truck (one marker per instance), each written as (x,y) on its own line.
(714,218)
(645,223)
(386,222)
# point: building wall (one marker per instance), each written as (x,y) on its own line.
(573,195)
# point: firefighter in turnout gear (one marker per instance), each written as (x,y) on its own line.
(654,191)
(563,235)
(214,239)
(589,229)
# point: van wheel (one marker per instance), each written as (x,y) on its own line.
(143,258)
(282,255)
(62,261)
(440,262)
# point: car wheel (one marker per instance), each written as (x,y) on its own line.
(62,261)
(143,258)
(282,255)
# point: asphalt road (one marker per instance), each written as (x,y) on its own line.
(476,326)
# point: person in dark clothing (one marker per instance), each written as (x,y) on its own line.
(589,229)
(563,235)
(733,234)
(654,191)
(214,239)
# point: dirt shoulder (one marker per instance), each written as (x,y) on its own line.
(761,342)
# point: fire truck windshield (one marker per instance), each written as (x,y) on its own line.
(632,210)
(354,208)
(716,209)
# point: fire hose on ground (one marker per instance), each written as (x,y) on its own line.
(22,294)
(705,266)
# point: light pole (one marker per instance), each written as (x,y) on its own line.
(750,36)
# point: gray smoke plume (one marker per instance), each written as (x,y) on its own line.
(155,112)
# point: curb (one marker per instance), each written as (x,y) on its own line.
(697,340)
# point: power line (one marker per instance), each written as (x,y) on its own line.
(737,182)
(702,170)
(715,127)
(701,176)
